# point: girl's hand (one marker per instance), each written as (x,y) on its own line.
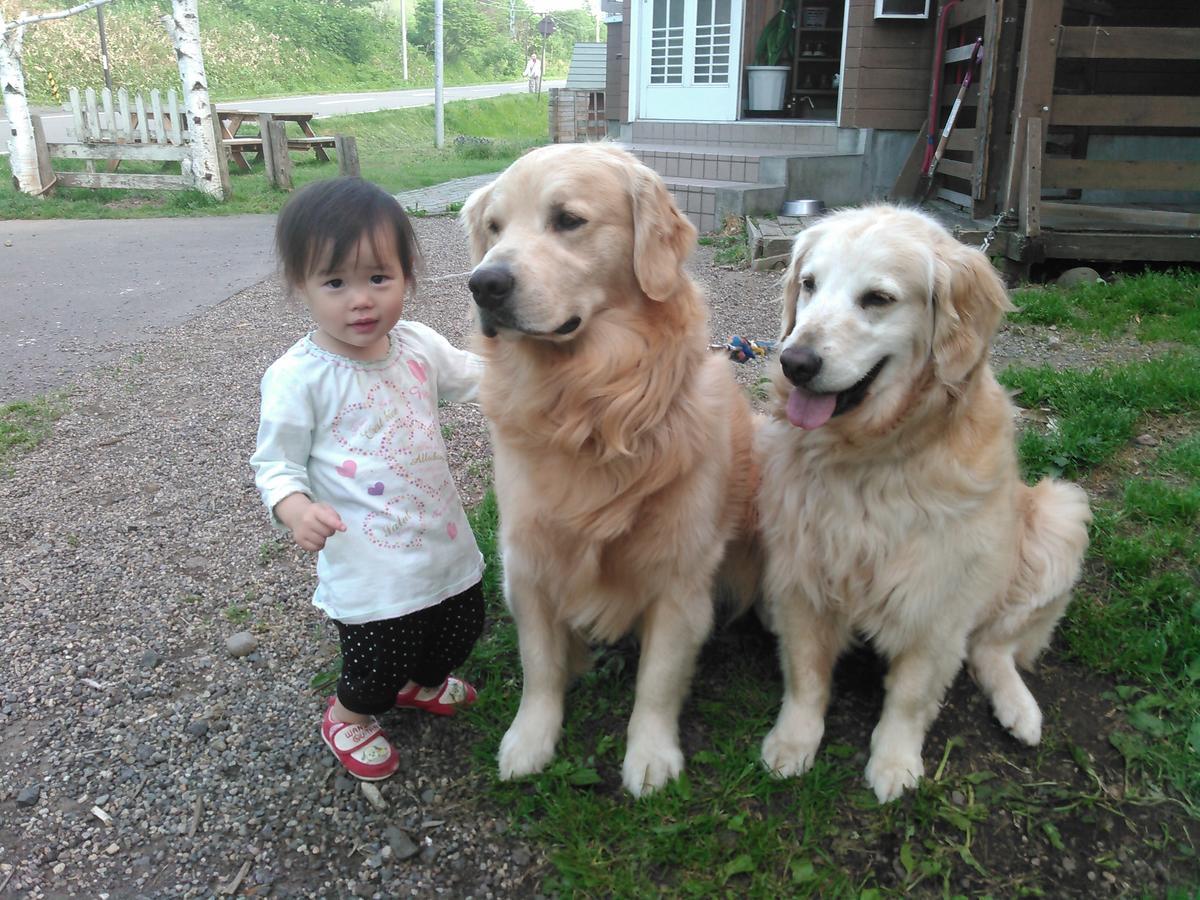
(316,524)
(310,523)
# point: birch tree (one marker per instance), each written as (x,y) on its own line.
(209,168)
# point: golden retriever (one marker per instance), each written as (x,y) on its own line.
(891,507)
(623,465)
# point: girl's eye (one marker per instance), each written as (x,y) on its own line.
(565,221)
(876,299)
(378,279)
(334,283)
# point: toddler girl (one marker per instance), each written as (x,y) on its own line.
(350,459)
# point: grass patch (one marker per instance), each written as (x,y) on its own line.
(395,151)
(731,247)
(1095,413)
(25,424)
(1139,618)
(1155,306)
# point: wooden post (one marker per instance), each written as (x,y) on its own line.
(279,162)
(208,158)
(1029,209)
(1035,85)
(42,153)
(346,148)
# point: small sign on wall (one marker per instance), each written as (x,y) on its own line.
(902,9)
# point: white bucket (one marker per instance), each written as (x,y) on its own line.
(766,86)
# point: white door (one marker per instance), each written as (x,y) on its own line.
(689,59)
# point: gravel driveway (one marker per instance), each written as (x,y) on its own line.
(138,757)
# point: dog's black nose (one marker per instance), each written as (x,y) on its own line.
(800,364)
(491,286)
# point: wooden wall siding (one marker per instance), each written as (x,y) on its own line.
(756,14)
(886,70)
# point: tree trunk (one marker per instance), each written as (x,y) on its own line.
(22,152)
(209,169)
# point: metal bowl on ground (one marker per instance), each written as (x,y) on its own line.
(802,208)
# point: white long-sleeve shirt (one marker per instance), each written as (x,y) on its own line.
(365,438)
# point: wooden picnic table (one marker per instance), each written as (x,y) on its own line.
(238,145)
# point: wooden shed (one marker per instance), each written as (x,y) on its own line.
(577,111)
(1081,135)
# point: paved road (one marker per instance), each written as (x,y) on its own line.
(55,121)
(75,293)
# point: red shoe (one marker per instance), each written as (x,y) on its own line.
(453,694)
(363,749)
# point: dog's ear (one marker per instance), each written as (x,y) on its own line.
(662,238)
(473,218)
(968,303)
(791,278)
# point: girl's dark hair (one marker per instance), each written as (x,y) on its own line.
(335,214)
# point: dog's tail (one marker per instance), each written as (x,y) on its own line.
(1054,538)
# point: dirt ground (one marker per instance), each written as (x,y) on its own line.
(133,545)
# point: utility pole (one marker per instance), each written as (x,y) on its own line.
(103,48)
(439,112)
(404,38)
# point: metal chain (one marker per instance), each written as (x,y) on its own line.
(991,234)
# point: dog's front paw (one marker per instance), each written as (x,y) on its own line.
(1021,716)
(891,774)
(526,749)
(650,765)
(787,752)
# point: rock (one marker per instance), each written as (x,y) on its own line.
(1069,865)
(197,729)
(373,795)
(428,854)
(1079,275)
(150,659)
(958,798)
(241,644)
(768,263)
(29,796)
(521,857)
(402,845)
(1053,341)
(1146,440)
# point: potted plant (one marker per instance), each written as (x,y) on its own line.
(767,79)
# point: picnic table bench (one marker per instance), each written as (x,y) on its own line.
(239,145)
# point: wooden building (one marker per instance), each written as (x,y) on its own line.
(1077,137)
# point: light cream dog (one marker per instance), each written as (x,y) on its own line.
(623,464)
(891,504)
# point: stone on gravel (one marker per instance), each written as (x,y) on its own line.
(400,843)
(150,659)
(241,644)
(1078,275)
(1146,440)
(198,728)
(29,795)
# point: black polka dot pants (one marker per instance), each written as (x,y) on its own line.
(379,658)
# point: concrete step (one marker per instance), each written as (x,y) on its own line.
(706,202)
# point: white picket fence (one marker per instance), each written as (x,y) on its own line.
(92,122)
(115,131)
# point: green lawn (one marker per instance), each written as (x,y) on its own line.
(395,150)
(991,818)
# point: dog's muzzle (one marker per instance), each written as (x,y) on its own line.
(492,286)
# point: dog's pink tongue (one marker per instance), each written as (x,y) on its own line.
(807,410)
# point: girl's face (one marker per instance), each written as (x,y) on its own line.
(356,304)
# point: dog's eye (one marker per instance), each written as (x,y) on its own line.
(808,283)
(876,299)
(493,227)
(565,221)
